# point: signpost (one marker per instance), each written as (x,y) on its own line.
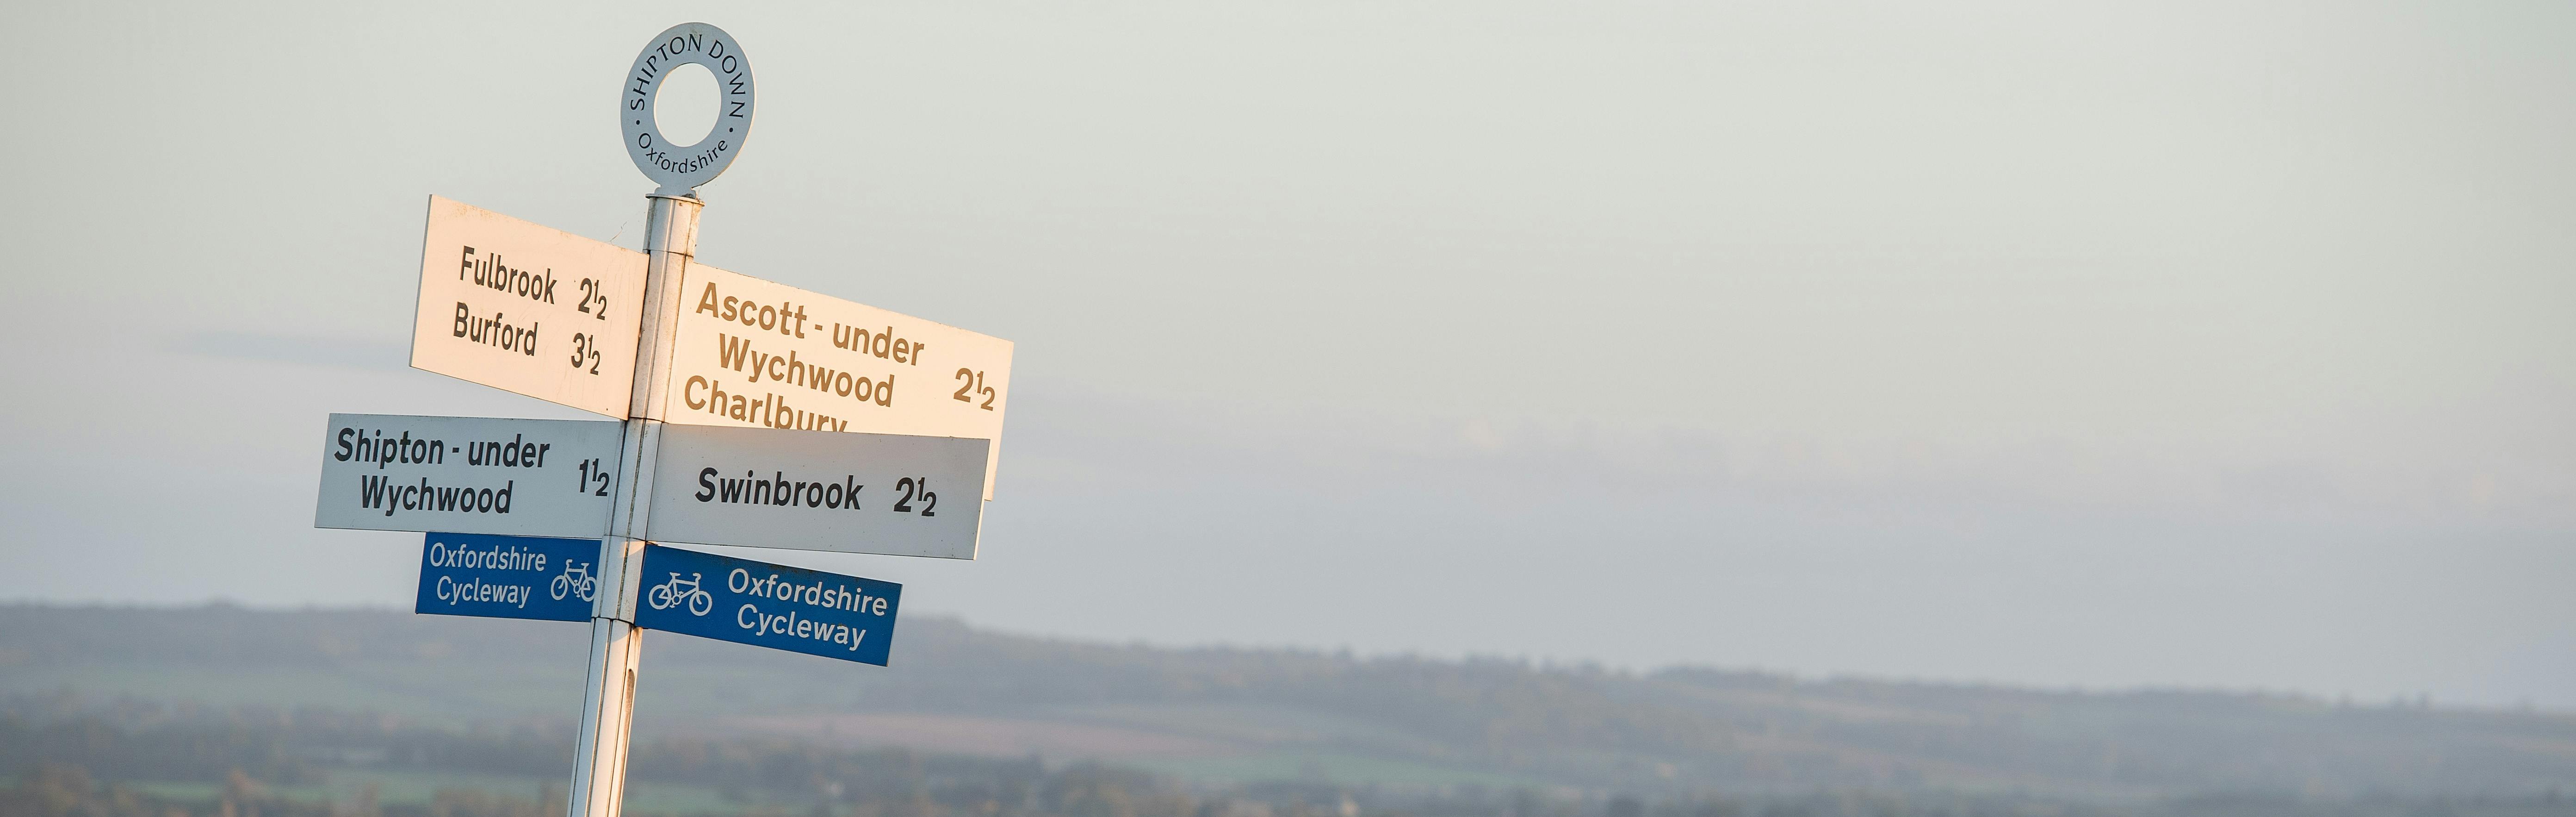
(527,308)
(467,475)
(507,576)
(748,413)
(766,605)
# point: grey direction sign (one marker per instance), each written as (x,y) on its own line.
(818,490)
(468,475)
(528,308)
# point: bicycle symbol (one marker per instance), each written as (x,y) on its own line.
(576,580)
(677,590)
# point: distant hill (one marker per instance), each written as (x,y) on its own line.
(1253,715)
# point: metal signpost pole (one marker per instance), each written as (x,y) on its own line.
(670,241)
(616,644)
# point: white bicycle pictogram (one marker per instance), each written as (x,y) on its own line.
(576,580)
(677,590)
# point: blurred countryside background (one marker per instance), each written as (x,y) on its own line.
(1501,408)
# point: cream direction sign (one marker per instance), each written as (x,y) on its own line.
(818,490)
(468,475)
(527,308)
(755,353)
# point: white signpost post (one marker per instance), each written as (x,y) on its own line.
(852,428)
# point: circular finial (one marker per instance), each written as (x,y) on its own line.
(679,169)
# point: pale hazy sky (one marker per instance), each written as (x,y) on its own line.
(2152,344)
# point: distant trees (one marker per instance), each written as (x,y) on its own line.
(170,751)
(52,762)
(96,766)
(1449,738)
(68,790)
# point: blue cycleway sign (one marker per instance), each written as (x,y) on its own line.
(767,605)
(472,574)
